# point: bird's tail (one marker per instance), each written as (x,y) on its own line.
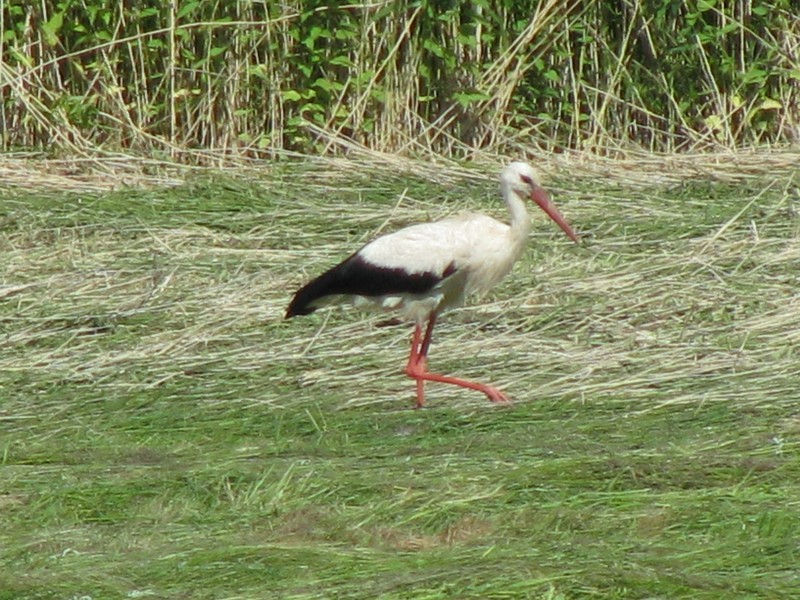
(302,303)
(335,281)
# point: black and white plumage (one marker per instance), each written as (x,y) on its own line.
(424,269)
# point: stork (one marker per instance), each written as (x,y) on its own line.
(424,269)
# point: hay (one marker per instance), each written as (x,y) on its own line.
(106,172)
(638,316)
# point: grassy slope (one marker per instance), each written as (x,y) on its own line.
(164,433)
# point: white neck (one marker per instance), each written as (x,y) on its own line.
(520,219)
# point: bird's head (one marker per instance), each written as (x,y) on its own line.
(521,179)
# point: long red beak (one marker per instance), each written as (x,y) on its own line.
(541,198)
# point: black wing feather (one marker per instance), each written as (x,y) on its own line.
(355,276)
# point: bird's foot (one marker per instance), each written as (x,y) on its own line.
(418,370)
(496,395)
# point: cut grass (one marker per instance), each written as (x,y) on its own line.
(164,433)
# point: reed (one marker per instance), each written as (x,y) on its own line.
(422,78)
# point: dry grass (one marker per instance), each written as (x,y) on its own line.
(666,305)
(103,171)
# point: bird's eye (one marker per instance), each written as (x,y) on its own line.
(526,179)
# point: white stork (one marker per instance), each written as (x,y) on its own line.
(424,269)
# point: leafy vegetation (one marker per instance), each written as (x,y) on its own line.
(412,77)
(165,433)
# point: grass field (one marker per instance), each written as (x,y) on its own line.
(164,433)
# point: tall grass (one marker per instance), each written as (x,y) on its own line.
(429,76)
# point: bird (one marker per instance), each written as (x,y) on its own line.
(424,269)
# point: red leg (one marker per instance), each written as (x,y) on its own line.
(417,368)
(413,361)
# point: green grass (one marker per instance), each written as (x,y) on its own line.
(165,434)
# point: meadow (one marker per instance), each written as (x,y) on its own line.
(165,433)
